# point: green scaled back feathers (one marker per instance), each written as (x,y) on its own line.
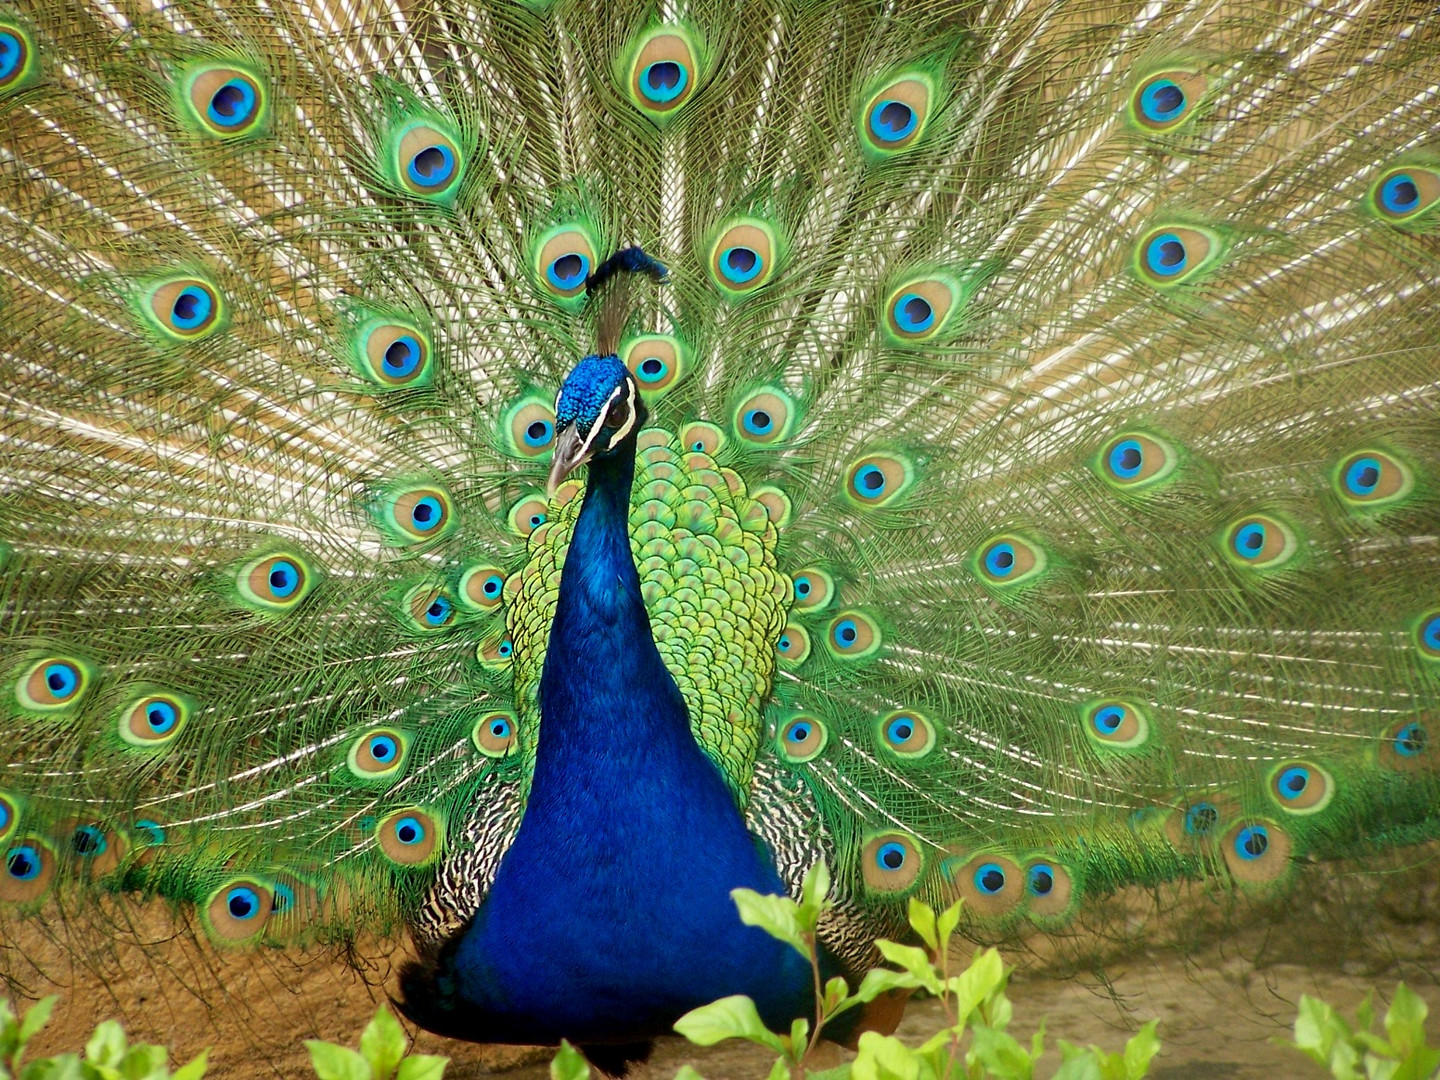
(1040,497)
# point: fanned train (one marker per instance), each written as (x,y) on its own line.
(515,472)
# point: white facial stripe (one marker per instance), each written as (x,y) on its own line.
(624,429)
(600,421)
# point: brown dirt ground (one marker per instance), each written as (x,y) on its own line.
(1228,987)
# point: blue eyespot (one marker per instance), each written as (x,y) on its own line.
(1250,540)
(1126,459)
(12,52)
(87,841)
(1400,194)
(740,264)
(1362,476)
(913,314)
(242,902)
(500,728)
(1411,740)
(505,648)
(569,271)
(403,357)
(890,856)
(62,679)
(284,579)
(439,611)
(383,748)
(152,831)
(900,730)
(409,830)
(283,898)
(784,643)
(5,816)
(433,167)
(870,481)
(426,514)
(161,716)
(758,422)
(23,863)
(1429,634)
(233,104)
(664,81)
(1107,720)
(1162,101)
(492,585)
(1165,255)
(1040,880)
(1293,782)
(1251,842)
(539,433)
(989,879)
(1201,819)
(798,732)
(537,519)
(192,308)
(652,369)
(1000,560)
(846,633)
(891,120)
(802,587)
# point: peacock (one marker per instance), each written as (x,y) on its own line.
(515,471)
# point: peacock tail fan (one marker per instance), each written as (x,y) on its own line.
(1038,503)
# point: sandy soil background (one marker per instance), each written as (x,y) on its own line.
(1222,979)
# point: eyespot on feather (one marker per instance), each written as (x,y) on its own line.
(702,438)
(1049,890)
(1164,100)
(1300,787)
(392,355)
(184,309)
(410,837)
(877,479)
(563,259)
(1116,725)
(10,811)
(990,884)
(28,871)
(528,514)
(275,582)
(743,256)
(495,652)
(895,116)
(1008,560)
(19,60)
(223,100)
(153,721)
(664,71)
(764,416)
(1371,478)
(1406,195)
(1427,635)
(414,514)
(95,850)
(658,361)
(425,160)
(921,308)
(482,588)
(1135,461)
(378,754)
(53,685)
(905,733)
(1256,852)
(1200,820)
(1259,542)
(852,635)
(813,588)
(1408,746)
(238,910)
(801,738)
(891,863)
(793,646)
(1172,255)
(494,734)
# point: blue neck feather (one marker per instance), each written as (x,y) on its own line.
(610,915)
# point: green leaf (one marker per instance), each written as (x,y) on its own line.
(1405,1020)
(106,1048)
(837,993)
(731,1017)
(814,894)
(36,1017)
(922,920)
(422,1067)
(913,960)
(1000,1054)
(1140,1050)
(884,1057)
(193,1069)
(878,981)
(946,923)
(145,1062)
(984,978)
(332,1062)
(382,1043)
(1324,1037)
(840,1072)
(799,1038)
(686,1072)
(1078,1063)
(776,915)
(569,1064)
(780,1070)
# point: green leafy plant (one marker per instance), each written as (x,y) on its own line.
(107,1055)
(1357,1053)
(382,1055)
(973,1000)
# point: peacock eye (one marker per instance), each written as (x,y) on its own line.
(617,416)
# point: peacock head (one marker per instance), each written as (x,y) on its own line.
(597,410)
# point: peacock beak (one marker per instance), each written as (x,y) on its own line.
(572,450)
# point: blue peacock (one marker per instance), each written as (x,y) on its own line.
(516,472)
